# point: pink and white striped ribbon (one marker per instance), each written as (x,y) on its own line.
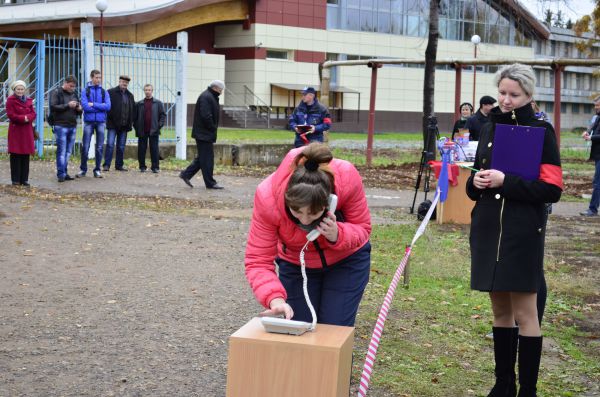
(376,337)
(385,307)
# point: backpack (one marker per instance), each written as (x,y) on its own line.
(50,116)
(87,93)
(422,210)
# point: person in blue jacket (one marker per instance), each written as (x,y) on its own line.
(96,104)
(311,113)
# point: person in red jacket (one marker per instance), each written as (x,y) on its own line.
(289,204)
(20,112)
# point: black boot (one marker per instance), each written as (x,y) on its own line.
(530,353)
(505,342)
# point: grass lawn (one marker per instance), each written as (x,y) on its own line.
(433,343)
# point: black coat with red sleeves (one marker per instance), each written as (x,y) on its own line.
(507,223)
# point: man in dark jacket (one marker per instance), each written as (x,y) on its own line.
(119,122)
(206,121)
(475,122)
(149,119)
(96,104)
(64,108)
(310,119)
(593,135)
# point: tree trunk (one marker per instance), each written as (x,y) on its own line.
(429,80)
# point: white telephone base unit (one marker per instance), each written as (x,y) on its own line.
(283,326)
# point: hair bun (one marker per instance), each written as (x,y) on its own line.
(311,165)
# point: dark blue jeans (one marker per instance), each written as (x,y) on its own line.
(335,291)
(88,130)
(65,140)
(595,200)
(121,138)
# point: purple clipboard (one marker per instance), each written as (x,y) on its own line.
(517,150)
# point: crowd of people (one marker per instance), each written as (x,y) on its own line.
(508,224)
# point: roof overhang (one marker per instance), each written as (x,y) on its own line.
(124,20)
(317,87)
(515,7)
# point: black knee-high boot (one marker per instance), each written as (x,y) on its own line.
(530,353)
(505,342)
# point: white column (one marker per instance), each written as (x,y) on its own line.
(87,61)
(181,101)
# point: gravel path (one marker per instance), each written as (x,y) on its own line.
(103,298)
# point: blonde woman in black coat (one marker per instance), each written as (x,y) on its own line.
(507,235)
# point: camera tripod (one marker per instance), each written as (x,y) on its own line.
(426,156)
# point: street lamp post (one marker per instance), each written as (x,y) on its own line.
(475,39)
(101,5)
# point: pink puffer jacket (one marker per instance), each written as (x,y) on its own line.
(273,234)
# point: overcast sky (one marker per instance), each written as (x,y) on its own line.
(573,9)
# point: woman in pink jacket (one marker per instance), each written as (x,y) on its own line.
(289,204)
(19,109)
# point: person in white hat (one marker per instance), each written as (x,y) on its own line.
(21,114)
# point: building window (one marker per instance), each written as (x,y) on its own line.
(565,80)
(587,108)
(575,108)
(277,54)
(563,107)
(458,20)
(549,107)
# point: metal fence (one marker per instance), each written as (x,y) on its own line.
(64,57)
(44,64)
(144,64)
(21,59)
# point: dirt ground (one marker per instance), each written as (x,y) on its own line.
(130,285)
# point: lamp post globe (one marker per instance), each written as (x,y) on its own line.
(475,39)
(101,5)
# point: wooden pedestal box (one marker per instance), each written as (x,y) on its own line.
(457,207)
(316,364)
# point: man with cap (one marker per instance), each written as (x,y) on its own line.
(310,119)
(120,121)
(475,122)
(204,131)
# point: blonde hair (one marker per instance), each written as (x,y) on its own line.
(522,74)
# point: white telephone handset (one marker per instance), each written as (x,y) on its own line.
(331,206)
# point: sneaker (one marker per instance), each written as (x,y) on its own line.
(69,178)
(98,174)
(61,179)
(26,184)
(588,213)
(142,169)
(105,169)
(155,171)
(215,186)
(80,174)
(122,169)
